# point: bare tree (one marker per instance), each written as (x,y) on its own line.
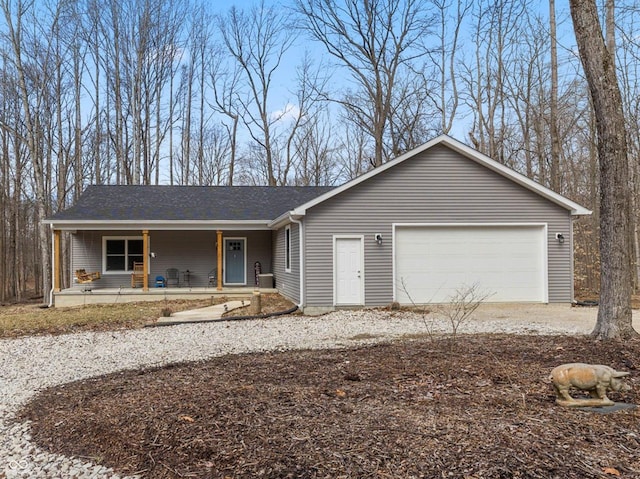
(225,84)
(354,153)
(316,152)
(553,102)
(628,67)
(257,41)
(412,121)
(215,147)
(32,82)
(376,41)
(185,96)
(614,314)
(445,96)
(497,28)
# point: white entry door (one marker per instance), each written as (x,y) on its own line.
(348,271)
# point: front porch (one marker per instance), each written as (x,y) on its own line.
(194,264)
(86,294)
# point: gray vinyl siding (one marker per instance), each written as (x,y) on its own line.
(287,282)
(185,250)
(86,252)
(436,186)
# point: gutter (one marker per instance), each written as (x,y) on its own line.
(301,253)
(160,224)
(53,267)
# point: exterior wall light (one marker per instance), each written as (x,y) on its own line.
(560,238)
(378,238)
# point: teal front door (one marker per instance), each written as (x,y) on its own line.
(235,261)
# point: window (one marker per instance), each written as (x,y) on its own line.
(234,245)
(120,253)
(287,249)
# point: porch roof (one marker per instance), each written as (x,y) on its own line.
(144,204)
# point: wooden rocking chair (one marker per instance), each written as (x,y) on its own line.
(137,277)
(83,277)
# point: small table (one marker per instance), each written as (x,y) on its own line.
(186,278)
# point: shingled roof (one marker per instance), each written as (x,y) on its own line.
(187,203)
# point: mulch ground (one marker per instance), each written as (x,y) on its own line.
(483,409)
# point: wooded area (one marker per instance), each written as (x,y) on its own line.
(304,93)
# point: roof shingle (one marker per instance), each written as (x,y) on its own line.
(184,203)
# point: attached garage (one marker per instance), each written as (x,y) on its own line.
(506,261)
(440,218)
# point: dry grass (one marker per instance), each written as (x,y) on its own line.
(32,319)
(29,319)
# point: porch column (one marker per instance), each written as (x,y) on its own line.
(219,275)
(57,265)
(145,260)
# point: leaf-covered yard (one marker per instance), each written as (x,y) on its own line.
(404,409)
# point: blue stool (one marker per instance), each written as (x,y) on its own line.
(160,282)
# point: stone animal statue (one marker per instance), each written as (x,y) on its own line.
(594,378)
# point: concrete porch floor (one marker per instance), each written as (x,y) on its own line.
(78,296)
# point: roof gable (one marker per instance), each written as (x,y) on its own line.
(467,152)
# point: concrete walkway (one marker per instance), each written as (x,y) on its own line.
(579,320)
(204,314)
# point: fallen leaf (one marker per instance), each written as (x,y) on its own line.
(340,393)
(187,418)
(612,471)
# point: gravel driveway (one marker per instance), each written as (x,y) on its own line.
(30,364)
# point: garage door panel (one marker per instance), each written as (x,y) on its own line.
(433,262)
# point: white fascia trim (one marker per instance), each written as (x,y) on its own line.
(468,152)
(281,220)
(159,225)
(285,218)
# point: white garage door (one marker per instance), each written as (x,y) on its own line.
(508,262)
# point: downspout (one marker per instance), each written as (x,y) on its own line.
(53,267)
(301,253)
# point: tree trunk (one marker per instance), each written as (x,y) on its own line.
(614,315)
(554,173)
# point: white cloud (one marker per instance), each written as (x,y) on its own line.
(289,112)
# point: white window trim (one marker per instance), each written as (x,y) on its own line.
(104,252)
(287,249)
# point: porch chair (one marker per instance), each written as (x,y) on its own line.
(213,277)
(83,277)
(137,277)
(173,277)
